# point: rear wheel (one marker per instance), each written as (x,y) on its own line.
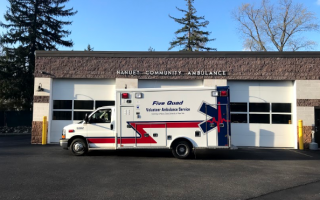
(182,149)
(79,147)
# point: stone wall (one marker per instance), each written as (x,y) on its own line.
(251,67)
(36,134)
(307,136)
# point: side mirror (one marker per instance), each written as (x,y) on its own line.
(86,119)
(111,126)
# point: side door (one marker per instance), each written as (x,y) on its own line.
(100,129)
(317,126)
(127,133)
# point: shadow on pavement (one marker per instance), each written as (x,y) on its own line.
(16,145)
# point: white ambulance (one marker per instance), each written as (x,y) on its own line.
(181,119)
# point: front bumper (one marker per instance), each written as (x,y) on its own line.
(64,143)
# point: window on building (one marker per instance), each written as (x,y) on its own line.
(281,107)
(104,103)
(61,115)
(239,118)
(281,119)
(239,112)
(83,104)
(259,118)
(259,107)
(62,104)
(63,110)
(79,115)
(238,107)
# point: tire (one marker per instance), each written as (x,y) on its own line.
(182,149)
(78,147)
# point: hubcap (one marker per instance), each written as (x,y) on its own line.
(78,146)
(181,150)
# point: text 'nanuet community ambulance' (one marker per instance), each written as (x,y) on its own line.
(179,119)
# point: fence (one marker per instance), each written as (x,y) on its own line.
(15,118)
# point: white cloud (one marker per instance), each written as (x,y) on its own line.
(318,2)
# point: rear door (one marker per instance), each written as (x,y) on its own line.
(216,124)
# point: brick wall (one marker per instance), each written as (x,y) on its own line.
(266,68)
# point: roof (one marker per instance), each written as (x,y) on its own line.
(179,54)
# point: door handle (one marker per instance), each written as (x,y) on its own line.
(146,135)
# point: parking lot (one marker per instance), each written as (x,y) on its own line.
(49,172)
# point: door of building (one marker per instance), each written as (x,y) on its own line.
(317,125)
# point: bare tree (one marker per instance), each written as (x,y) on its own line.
(275,27)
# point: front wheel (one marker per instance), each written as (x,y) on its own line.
(79,147)
(181,150)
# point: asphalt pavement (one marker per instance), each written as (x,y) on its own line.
(48,172)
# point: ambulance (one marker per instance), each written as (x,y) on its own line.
(180,119)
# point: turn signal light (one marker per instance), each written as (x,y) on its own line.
(63,137)
(125,95)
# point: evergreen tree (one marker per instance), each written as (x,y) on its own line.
(193,39)
(31,25)
(89,48)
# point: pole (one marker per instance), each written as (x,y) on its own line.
(44,130)
(300,124)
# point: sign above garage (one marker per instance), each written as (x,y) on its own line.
(172,73)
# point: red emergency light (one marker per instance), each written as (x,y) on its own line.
(125,95)
(223,93)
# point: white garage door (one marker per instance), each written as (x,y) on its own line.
(261,113)
(73,98)
(169,83)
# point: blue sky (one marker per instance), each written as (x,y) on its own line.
(135,25)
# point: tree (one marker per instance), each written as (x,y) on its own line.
(151,49)
(31,25)
(275,27)
(89,48)
(192,39)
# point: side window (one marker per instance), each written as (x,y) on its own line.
(101,116)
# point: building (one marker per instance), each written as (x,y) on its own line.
(269,91)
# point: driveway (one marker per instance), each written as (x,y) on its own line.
(49,172)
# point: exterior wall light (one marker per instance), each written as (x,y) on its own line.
(40,89)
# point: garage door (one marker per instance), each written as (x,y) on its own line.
(72,99)
(261,113)
(169,83)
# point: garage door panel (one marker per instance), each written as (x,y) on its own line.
(239,96)
(56,129)
(244,140)
(169,83)
(78,89)
(260,134)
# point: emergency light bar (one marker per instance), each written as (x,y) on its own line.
(221,93)
(125,95)
(215,93)
(138,95)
